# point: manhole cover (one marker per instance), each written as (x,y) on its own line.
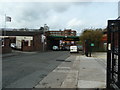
(60,60)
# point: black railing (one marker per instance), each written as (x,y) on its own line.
(113,55)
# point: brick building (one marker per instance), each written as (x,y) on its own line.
(33,40)
(104,40)
(26,40)
(5,45)
(66,32)
(63,39)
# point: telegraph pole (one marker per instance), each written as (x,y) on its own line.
(43,39)
(5,21)
(5,27)
(4,31)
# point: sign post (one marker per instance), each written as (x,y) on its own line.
(43,40)
(91,46)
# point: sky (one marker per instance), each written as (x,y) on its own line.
(58,15)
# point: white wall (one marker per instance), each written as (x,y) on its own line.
(20,38)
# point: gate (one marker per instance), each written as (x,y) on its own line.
(113,55)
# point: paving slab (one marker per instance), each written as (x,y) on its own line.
(90,84)
(71,80)
(91,73)
(64,76)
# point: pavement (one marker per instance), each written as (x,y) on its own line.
(77,71)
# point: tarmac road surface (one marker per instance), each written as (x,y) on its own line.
(26,70)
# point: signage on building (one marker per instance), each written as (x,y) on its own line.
(19,40)
(72,42)
(43,38)
(69,39)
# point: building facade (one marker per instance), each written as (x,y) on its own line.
(25,40)
(39,40)
(63,39)
(5,45)
(66,32)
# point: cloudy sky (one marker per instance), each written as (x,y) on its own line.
(58,15)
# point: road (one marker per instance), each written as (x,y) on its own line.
(26,70)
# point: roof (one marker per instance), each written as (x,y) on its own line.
(64,36)
(67,38)
(20,33)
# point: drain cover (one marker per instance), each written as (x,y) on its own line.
(67,61)
(60,60)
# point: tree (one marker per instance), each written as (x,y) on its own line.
(41,28)
(94,36)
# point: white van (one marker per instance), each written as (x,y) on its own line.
(73,49)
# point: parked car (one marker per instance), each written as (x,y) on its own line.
(80,47)
(13,45)
(73,49)
(55,48)
(67,48)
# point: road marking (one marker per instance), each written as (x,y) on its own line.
(62,69)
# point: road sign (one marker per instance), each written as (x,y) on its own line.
(92,44)
(42,38)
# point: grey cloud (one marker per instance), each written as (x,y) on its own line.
(38,12)
(35,14)
(35,11)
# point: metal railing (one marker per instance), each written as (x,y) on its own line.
(113,55)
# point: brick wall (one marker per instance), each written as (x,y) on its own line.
(27,48)
(37,45)
(6,48)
